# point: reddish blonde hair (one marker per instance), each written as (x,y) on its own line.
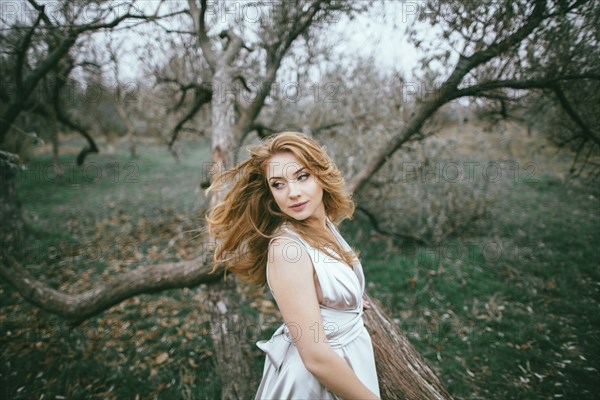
(248,217)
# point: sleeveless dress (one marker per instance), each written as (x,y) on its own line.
(284,374)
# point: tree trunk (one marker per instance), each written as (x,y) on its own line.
(132,146)
(233,364)
(129,127)
(403,373)
(8,117)
(12,228)
(229,325)
(56,149)
(223,125)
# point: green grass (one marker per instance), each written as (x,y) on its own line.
(520,326)
(80,229)
(524,325)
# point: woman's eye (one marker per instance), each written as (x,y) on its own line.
(301,177)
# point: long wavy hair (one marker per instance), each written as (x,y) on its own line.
(248,217)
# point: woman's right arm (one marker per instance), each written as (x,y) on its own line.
(296,295)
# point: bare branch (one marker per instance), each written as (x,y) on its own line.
(542,83)
(108,25)
(41,10)
(577,154)
(79,307)
(233,47)
(381,231)
(22,52)
(202,97)
(566,105)
(277,52)
(318,129)
(64,118)
(14,108)
(261,130)
(200,27)
(446,93)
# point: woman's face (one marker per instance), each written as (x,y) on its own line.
(292,184)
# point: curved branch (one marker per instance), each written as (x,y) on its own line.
(179,102)
(23,51)
(200,27)
(378,229)
(41,9)
(233,47)
(183,88)
(15,107)
(480,90)
(78,307)
(10,113)
(532,22)
(242,80)
(566,105)
(542,83)
(202,97)
(64,118)
(108,25)
(446,93)
(277,52)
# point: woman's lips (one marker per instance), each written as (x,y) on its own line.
(299,207)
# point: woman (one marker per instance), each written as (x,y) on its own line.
(275,226)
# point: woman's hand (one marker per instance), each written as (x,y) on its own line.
(366,304)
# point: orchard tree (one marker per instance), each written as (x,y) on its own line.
(494,50)
(37,59)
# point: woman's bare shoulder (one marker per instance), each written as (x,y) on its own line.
(285,248)
(288,264)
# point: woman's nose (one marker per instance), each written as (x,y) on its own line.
(294,190)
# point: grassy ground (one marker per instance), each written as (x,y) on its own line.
(515,315)
(511,312)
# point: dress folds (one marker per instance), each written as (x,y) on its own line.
(284,374)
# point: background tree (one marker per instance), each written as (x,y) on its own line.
(37,49)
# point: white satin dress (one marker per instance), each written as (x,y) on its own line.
(284,374)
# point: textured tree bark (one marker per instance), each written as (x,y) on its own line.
(402,372)
(223,125)
(128,126)
(232,362)
(12,228)
(76,308)
(229,325)
(56,148)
